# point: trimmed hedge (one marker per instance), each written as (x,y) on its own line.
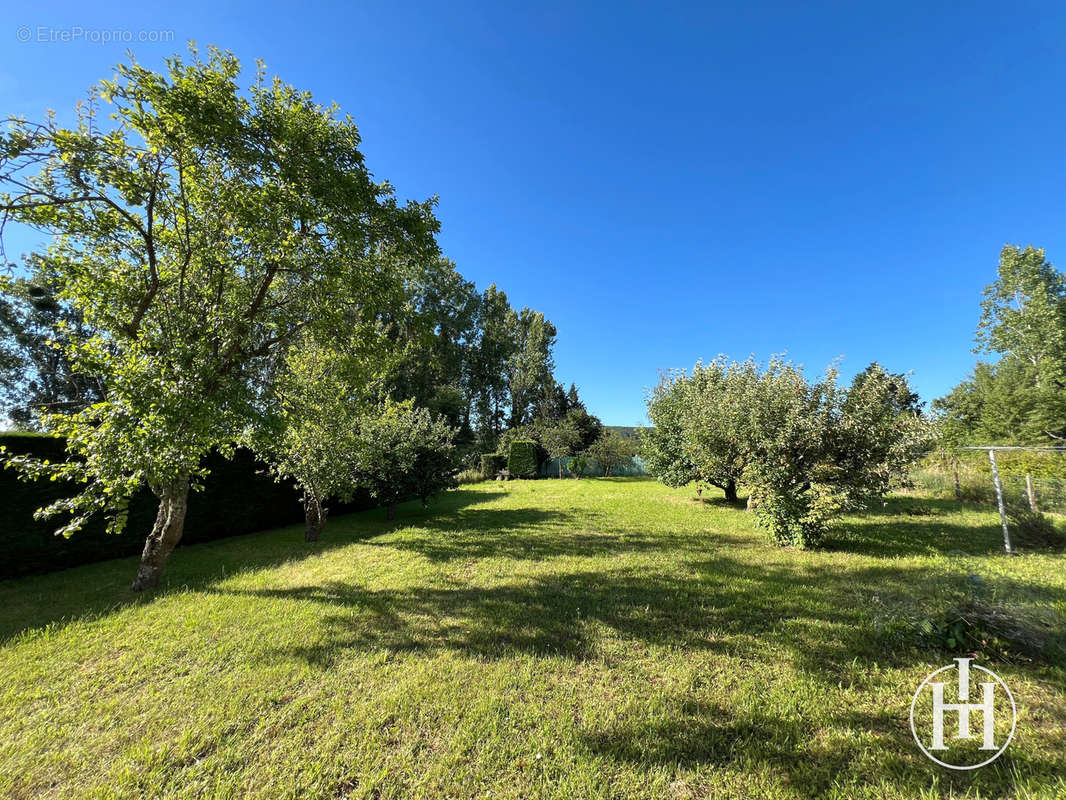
(238,497)
(491,463)
(522,459)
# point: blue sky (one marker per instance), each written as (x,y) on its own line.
(670,182)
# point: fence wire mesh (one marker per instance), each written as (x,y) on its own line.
(1033,484)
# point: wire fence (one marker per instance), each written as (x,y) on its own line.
(975,486)
(1027,486)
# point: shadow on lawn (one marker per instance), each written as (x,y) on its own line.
(816,617)
(813,618)
(459,526)
(849,749)
(908,526)
(102,588)
(533,534)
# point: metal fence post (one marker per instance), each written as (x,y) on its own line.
(999,500)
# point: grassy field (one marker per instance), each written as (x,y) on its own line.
(578,639)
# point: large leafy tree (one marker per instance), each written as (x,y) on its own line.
(816,449)
(662,443)
(1019,398)
(715,430)
(491,353)
(531,367)
(807,449)
(37,376)
(1023,313)
(197,235)
(699,424)
(432,334)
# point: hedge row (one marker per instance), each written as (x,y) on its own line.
(522,459)
(238,497)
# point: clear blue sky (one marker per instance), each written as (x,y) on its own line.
(671,182)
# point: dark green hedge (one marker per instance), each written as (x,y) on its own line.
(491,463)
(237,498)
(522,460)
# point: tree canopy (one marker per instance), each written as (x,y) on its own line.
(196,237)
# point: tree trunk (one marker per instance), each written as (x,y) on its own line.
(314,518)
(958,489)
(730,490)
(390,511)
(1030,491)
(560,467)
(752,502)
(165,535)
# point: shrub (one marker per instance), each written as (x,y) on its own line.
(470,476)
(404,451)
(1031,529)
(578,465)
(522,459)
(492,463)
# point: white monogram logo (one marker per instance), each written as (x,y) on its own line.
(986,708)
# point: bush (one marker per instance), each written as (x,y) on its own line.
(470,476)
(492,463)
(522,459)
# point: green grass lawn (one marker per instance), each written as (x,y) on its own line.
(579,639)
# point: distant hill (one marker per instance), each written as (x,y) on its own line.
(625,431)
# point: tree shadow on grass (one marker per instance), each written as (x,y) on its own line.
(811,617)
(101,588)
(534,534)
(909,526)
(818,616)
(851,750)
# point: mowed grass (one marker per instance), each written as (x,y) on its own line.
(573,639)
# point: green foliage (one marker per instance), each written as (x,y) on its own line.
(317,398)
(588,426)
(237,497)
(1003,403)
(197,238)
(522,461)
(808,451)
(1024,312)
(578,465)
(530,368)
(560,440)
(37,331)
(1018,400)
(715,429)
(817,450)
(491,463)
(400,451)
(611,451)
(984,625)
(1031,530)
(433,348)
(468,476)
(662,445)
